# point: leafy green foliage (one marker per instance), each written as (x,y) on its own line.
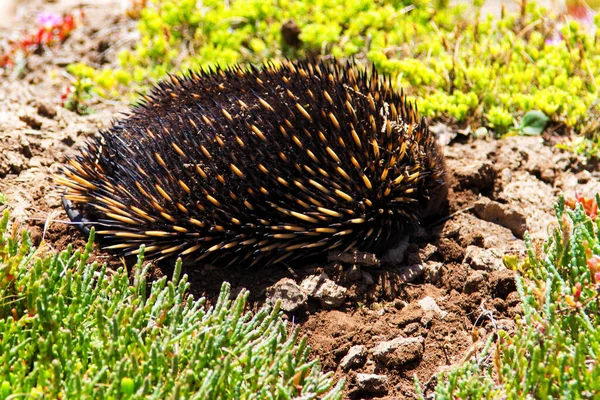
(534,123)
(471,69)
(555,350)
(77,95)
(459,382)
(73,329)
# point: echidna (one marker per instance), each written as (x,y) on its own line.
(240,166)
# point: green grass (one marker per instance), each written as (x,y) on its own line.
(72,329)
(556,349)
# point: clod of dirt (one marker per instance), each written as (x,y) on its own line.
(470,230)
(411,313)
(479,175)
(430,306)
(11,162)
(291,295)
(330,294)
(411,329)
(583,177)
(46,110)
(400,351)
(506,325)
(484,259)
(502,214)
(372,383)
(356,357)
(476,282)
(502,283)
(33,122)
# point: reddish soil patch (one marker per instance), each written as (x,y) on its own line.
(458,291)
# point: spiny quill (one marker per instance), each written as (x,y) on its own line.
(249,166)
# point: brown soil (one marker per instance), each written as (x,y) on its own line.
(498,190)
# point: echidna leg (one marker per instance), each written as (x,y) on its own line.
(76,217)
(354,257)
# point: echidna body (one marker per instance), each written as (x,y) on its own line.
(242,166)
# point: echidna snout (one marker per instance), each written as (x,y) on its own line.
(254,166)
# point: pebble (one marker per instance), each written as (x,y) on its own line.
(484,259)
(330,294)
(372,383)
(476,282)
(399,351)
(502,214)
(429,305)
(291,295)
(356,357)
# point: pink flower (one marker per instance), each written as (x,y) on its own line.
(554,40)
(49,19)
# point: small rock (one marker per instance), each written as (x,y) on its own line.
(502,283)
(330,294)
(432,271)
(311,283)
(26,148)
(399,304)
(411,313)
(15,161)
(562,161)
(506,325)
(372,383)
(33,122)
(291,295)
(356,357)
(410,273)
(476,282)
(480,175)
(35,162)
(399,351)
(429,305)
(411,328)
(583,176)
(484,259)
(547,175)
(443,133)
(46,111)
(501,214)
